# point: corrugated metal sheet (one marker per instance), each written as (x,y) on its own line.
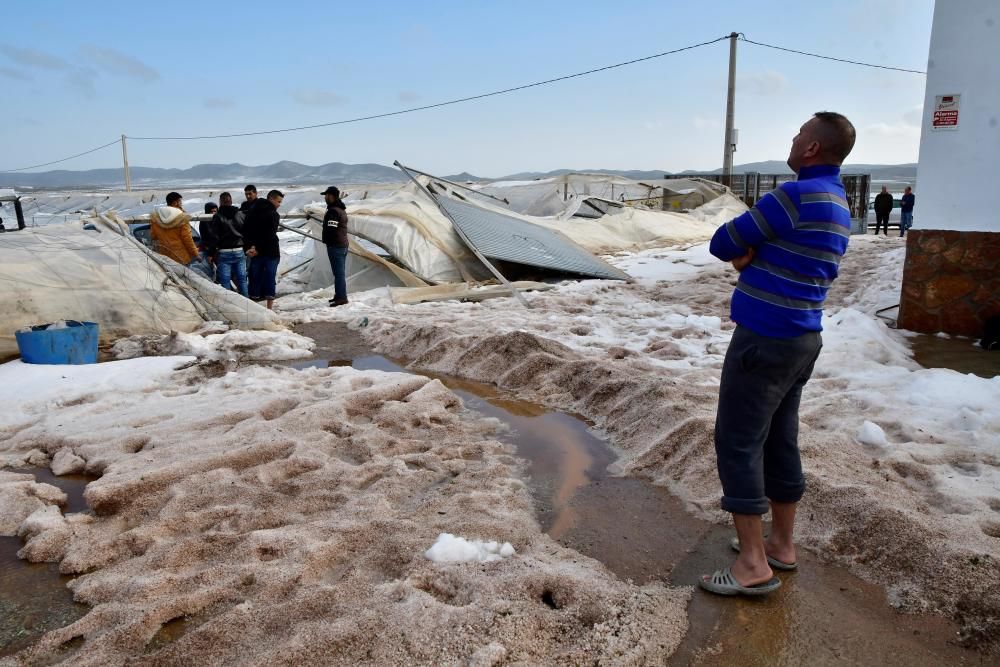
(505,238)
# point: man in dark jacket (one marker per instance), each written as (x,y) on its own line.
(230,260)
(335,238)
(260,236)
(250,192)
(883,206)
(206,243)
(906,210)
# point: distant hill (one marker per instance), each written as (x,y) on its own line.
(202,174)
(905,172)
(236,174)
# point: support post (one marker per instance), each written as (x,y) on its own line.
(727,156)
(128,179)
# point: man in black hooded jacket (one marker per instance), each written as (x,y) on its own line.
(883,207)
(227,231)
(260,237)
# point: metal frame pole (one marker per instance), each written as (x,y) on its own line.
(727,156)
(128,179)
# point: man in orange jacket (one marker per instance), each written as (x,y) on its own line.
(170,230)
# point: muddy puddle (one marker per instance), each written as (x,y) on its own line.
(822,614)
(959,354)
(33,596)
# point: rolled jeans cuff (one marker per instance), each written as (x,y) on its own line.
(757,506)
(782,491)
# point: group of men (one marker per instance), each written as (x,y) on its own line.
(884,204)
(239,246)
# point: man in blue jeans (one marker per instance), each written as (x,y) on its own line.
(260,236)
(906,210)
(787,249)
(335,238)
(227,231)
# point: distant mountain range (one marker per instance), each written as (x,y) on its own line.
(879,172)
(337,172)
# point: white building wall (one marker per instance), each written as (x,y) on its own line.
(958,170)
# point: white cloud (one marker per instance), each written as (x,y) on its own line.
(761,83)
(702,123)
(117,63)
(218,103)
(900,129)
(16,74)
(34,58)
(82,79)
(915,115)
(318,98)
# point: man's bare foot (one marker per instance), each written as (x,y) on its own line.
(750,573)
(781,552)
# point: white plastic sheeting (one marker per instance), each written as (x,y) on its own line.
(50,207)
(365,269)
(415,232)
(61,271)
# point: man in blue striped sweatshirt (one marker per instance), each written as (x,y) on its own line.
(787,249)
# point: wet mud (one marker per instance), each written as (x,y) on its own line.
(34,597)
(821,615)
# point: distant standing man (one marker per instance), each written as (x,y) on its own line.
(250,193)
(260,236)
(883,206)
(906,210)
(207,246)
(787,249)
(230,260)
(335,238)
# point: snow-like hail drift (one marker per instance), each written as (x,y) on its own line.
(902,462)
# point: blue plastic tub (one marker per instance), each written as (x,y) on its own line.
(75,343)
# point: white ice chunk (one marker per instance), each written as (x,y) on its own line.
(451,549)
(872,434)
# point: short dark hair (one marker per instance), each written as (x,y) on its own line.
(250,188)
(836,135)
(211,206)
(225,195)
(275,193)
(172,197)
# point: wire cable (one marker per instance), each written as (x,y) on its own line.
(743,38)
(438,104)
(45,164)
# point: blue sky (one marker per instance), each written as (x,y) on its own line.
(76,75)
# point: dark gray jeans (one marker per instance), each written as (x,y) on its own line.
(757,426)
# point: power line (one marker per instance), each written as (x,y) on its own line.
(439,104)
(45,164)
(494,93)
(839,60)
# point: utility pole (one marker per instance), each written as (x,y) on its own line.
(730,142)
(128,179)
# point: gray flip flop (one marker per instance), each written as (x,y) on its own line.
(773,562)
(722,582)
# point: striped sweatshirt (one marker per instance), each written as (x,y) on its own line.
(798,232)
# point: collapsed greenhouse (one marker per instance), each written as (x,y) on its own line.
(80,258)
